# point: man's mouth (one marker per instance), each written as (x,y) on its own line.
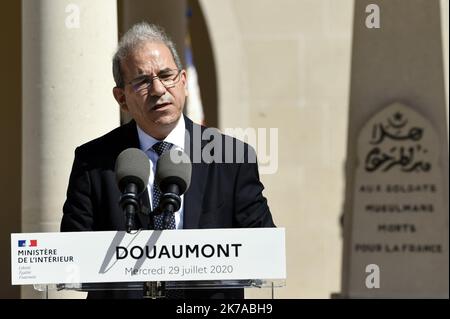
(161,105)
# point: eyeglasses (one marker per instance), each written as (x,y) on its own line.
(169,78)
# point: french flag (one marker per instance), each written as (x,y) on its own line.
(27,243)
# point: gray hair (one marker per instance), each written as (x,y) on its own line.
(138,34)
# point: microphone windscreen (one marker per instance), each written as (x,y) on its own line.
(174,167)
(132,166)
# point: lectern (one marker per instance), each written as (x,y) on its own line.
(154,262)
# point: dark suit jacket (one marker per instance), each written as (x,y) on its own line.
(221,195)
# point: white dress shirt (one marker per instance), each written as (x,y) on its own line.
(176,137)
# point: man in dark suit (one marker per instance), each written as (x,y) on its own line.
(151,87)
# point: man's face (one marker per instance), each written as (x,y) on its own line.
(157,108)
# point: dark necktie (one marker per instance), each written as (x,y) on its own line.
(160,148)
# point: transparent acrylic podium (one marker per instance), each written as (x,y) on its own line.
(156,290)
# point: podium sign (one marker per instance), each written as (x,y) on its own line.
(169,255)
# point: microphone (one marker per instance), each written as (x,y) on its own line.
(132,174)
(173,176)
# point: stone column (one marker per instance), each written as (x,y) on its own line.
(67,98)
(397,60)
(10,140)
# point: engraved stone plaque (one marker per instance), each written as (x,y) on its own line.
(399,221)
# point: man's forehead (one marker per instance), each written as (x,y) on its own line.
(149,57)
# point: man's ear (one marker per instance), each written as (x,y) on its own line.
(119,95)
(184,81)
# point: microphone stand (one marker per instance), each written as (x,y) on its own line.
(169,203)
(130,204)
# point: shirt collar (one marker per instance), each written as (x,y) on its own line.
(176,136)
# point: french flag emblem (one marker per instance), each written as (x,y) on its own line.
(27,243)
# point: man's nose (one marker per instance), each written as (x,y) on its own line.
(157,88)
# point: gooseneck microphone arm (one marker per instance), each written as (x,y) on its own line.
(170,202)
(130,205)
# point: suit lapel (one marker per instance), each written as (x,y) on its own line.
(193,198)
